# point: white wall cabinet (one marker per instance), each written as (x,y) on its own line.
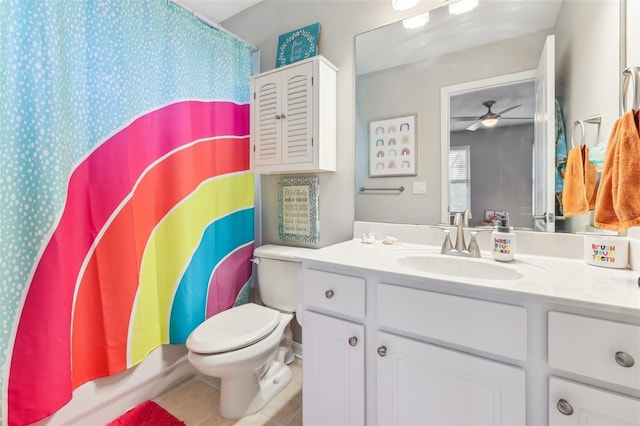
(293,118)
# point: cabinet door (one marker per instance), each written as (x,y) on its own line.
(266,120)
(573,404)
(423,384)
(297,124)
(333,370)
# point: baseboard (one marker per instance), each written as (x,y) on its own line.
(296,348)
(102,400)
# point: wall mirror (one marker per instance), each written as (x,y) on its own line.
(499,57)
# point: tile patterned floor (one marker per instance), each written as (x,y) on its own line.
(195,402)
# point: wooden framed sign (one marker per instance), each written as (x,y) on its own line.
(297,45)
(298,209)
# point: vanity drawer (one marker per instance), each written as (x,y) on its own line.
(573,403)
(487,326)
(596,348)
(343,294)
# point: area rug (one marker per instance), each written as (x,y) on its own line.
(147,414)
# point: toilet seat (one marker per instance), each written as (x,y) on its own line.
(233,329)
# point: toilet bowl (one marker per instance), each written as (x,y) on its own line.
(251,375)
(249,346)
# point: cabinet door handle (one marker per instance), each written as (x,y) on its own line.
(564,407)
(624,359)
(283,116)
(382,351)
(278,116)
(329,294)
(353,340)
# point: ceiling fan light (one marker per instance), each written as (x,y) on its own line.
(416,21)
(404,4)
(489,121)
(462,6)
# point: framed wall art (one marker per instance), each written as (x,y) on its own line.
(392,147)
(297,45)
(298,209)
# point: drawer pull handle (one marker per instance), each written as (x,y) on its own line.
(624,359)
(329,294)
(382,351)
(353,341)
(564,407)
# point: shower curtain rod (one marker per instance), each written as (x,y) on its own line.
(211,24)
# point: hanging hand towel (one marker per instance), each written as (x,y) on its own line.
(574,194)
(589,170)
(618,199)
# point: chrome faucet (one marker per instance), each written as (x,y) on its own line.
(460,248)
(466,216)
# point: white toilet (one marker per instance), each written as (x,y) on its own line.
(249,346)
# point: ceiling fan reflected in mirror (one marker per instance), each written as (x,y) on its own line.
(490,118)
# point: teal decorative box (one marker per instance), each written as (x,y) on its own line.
(297,45)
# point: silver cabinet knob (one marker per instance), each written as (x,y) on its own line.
(329,294)
(283,116)
(624,359)
(353,340)
(564,407)
(278,117)
(382,351)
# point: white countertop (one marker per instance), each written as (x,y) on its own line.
(559,280)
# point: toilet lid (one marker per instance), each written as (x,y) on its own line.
(233,329)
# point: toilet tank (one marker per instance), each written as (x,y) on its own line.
(279,273)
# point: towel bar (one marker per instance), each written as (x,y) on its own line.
(399,189)
(630,77)
(593,119)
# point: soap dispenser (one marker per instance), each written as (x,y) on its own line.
(503,241)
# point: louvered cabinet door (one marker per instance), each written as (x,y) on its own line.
(267,127)
(293,118)
(297,124)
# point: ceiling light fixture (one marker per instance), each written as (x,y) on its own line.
(404,4)
(489,121)
(416,21)
(462,6)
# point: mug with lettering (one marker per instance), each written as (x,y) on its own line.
(607,251)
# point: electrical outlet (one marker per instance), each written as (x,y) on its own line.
(419,187)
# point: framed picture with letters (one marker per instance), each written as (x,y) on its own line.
(297,45)
(298,209)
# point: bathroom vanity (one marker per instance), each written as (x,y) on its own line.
(536,341)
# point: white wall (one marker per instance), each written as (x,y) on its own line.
(585,86)
(339,22)
(499,158)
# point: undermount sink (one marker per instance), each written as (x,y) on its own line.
(458,266)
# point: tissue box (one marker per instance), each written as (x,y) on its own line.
(607,251)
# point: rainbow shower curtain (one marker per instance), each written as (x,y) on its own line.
(128,215)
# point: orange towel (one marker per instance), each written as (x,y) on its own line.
(590,176)
(578,194)
(618,199)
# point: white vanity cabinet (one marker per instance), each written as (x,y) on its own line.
(597,351)
(411,376)
(293,118)
(333,349)
(559,345)
(423,384)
